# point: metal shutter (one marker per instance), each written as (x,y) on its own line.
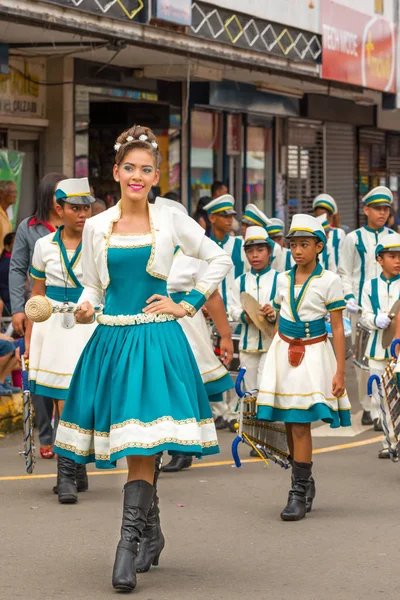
(340,152)
(305,166)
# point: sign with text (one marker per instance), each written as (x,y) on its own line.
(21,92)
(357,48)
(173,11)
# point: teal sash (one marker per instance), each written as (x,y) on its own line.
(68,264)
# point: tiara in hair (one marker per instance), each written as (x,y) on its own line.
(142,138)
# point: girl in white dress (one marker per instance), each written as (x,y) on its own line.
(302,382)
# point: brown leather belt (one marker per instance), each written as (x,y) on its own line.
(297,350)
(308,342)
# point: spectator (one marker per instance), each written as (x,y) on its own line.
(8,197)
(9,362)
(218,189)
(5,259)
(98,207)
(44,221)
(201,216)
(172,196)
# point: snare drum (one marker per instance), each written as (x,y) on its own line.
(360,347)
(234,365)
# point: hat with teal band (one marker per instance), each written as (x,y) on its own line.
(326,202)
(254,216)
(379,196)
(74,191)
(222,206)
(306,226)
(276,227)
(388,243)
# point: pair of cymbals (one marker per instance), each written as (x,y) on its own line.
(390,332)
(252,308)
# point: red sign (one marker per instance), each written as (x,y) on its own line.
(358,48)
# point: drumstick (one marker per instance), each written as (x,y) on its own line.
(40,308)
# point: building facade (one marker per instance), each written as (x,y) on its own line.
(281,102)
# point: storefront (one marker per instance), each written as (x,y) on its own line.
(23,123)
(232,140)
(103,111)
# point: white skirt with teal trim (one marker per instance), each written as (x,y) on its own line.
(54,353)
(301,394)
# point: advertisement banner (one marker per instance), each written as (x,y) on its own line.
(174,11)
(21,94)
(357,48)
(11,163)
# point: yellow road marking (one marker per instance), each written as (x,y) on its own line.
(201,465)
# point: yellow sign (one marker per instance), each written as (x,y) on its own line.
(21,94)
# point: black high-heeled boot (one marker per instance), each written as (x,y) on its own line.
(138,496)
(82,482)
(152,542)
(177,463)
(310,491)
(296,505)
(66,481)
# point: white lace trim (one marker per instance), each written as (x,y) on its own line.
(139,319)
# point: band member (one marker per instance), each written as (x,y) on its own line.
(57,273)
(220,212)
(379,295)
(259,282)
(254,216)
(325,204)
(137,389)
(184,275)
(302,381)
(358,264)
(326,258)
(276,231)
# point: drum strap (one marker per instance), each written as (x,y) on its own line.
(237,257)
(374,297)
(335,244)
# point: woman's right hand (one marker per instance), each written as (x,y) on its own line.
(85,313)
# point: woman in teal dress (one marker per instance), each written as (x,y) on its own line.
(137,390)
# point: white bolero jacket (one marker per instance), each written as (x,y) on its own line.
(169,229)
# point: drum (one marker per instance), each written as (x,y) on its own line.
(347,334)
(360,347)
(234,365)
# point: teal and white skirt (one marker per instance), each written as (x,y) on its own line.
(136,390)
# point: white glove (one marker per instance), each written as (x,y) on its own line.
(382,321)
(352,306)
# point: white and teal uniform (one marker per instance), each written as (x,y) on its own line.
(233,246)
(379,295)
(357,260)
(253,345)
(55,349)
(330,256)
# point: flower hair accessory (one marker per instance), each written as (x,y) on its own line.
(117,146)
(129,138)
(143,137)
(154,144)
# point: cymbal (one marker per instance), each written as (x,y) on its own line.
(389,333)
(252,308)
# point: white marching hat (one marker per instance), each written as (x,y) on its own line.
(254,216)
(388,243)
(74,191)
(327,202)
(306,226)
(256,235)
(276,227)
(224,205)
(379,196)
(323,220)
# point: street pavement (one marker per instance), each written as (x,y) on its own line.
(225,539)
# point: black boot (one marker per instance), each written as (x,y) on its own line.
(296,506)
(82,482)
(177,463)
(138,496)
(66,481)
(366,418)
(310,490)
(152,542)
